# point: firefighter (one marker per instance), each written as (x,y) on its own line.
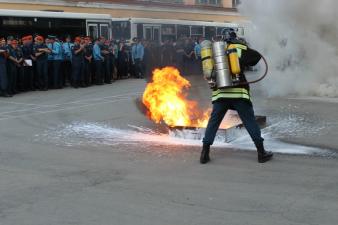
(41,52)
(27,50)
(235,98)
(3,69)
(77,62)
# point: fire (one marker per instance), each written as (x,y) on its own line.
(166,100)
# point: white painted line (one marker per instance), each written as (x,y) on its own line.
(75,102)
(63,109)
(20,103)
(22,110)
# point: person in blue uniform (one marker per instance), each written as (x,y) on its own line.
(57,58)
(3,69)
(77,62)
(67,61)
(88,59)
(41,52)
(98,60)
(137,53)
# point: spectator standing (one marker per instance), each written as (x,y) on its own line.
(137,57)
(57,58)
(41,52)
(88,59)
(67,61)
(98,60)
(3,69)
(122,62)
(28,70)
(77,62)
(15,67)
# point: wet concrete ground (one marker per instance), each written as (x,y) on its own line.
(87,156)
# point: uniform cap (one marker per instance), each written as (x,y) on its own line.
(77,39)
(39,38)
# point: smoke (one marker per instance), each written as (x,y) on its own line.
(300,40)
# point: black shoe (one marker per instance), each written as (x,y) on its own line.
(205,158)
(263,156)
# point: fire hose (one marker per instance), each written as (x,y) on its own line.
(263,76)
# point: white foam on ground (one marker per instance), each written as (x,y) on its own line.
(317,99)
(96,134)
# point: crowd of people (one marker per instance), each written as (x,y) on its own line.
(38,63)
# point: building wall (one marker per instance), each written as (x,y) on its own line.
(130,10)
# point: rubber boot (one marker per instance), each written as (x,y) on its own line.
(205,154)
(263,156)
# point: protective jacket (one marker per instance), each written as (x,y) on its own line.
(247,57)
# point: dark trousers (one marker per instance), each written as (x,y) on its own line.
(28,78)
(42,73)
(20,79)
(50,73)
(245,112)
(98,72)
(139,72)
(122,70)
(77,73)
(87,71)
(12,78)
(107,70)
(3,79)
(66,68)
(56,82)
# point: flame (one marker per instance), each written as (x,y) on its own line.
(166,100)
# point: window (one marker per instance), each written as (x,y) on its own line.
(196,31)
(167,1)
(168,32)
(121,30)
(183,31)
(210,32)
(209,2)
(235,3)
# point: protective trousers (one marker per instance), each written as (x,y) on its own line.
(246,113)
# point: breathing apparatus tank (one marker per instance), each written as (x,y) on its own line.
(222,67)
(207,59)
(234,61)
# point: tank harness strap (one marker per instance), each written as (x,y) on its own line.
(239,48)
(205,58)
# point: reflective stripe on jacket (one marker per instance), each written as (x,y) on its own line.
(231,93)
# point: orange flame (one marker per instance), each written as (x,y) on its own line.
(166,100)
